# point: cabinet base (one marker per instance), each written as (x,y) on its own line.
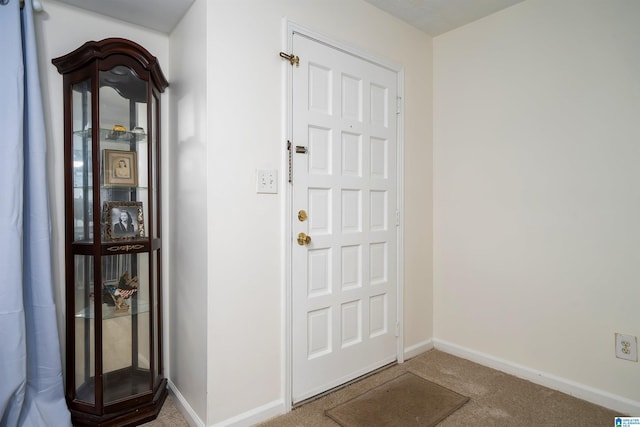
(127,418)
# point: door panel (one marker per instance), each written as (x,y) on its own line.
(344,282)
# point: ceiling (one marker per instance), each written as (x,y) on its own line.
(434,17)
(159,15)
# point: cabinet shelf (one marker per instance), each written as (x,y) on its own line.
(109,187)
(109,311)
(121,384)
(113,135)
(133,246)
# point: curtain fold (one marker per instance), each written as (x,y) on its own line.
(31,390)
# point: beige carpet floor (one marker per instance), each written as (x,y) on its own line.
(169,416)
(496,399)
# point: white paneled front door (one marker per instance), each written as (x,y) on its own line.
(344,276)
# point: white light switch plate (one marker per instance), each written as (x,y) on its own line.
(267,181)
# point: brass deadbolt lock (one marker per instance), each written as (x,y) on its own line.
(302,215)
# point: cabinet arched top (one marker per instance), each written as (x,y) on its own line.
(103,49)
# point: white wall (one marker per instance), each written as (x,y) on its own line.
(188,142)
(537,230)
(245,118)
(61,29)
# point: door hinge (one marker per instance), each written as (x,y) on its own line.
(398,105)
(397,329)
(293,59)
(397,218)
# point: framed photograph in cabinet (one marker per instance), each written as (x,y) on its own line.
(123,221)
(120,168)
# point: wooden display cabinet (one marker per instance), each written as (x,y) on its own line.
(114,365)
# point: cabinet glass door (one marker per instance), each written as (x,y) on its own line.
(125,326)
(84,326)
(124,197)
(124,148)
(82,163)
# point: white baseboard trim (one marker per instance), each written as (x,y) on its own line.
(185,409)
(616,403)
(254,416)
(416,349)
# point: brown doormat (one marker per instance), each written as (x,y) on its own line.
(407,400)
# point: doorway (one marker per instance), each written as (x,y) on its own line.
(344,203)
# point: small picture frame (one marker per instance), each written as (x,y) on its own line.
(123,221)
(120,168)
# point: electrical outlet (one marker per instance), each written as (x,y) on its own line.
(267,181)
(626,347)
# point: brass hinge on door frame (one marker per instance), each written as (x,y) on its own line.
(293,59)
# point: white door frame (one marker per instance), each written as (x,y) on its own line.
(291,29)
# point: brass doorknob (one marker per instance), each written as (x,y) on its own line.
(304,239)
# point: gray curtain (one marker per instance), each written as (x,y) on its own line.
(31,390)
